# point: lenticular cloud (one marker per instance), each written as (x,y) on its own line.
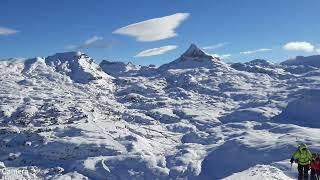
(156,51)
(154,29)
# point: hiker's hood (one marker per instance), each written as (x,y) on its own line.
(303,146)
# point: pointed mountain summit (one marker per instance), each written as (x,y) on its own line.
(192,58)
(195,52)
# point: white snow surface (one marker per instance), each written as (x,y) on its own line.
(65,117)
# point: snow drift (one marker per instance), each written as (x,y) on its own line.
(302,111)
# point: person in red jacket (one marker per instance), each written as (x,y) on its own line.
(315,168)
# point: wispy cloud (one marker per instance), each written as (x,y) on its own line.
(255,51)
(221,56)
(299,46)
(154,29)
(156,51)
(93,42)
(216,46)
(7,31)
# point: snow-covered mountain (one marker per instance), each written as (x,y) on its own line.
(259,66)
(78,66)
(304,61)
(119,68)
(192,58)
(65,117)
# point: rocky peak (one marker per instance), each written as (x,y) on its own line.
(194,52)
(69,57)
(80,67)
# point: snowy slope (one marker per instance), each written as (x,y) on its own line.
(119,68)
(65,117)
(275,171)
(303,110)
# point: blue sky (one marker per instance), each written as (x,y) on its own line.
(237,30)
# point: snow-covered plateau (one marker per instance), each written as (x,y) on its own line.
(66,117)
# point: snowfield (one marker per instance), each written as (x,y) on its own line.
(65,117)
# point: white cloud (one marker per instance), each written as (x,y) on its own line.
(7,31)
(225,56)
(154,29)
(156,51)
(93,42)
(256,51)
(215,46)
(299,46)
(318,51)
(221,56)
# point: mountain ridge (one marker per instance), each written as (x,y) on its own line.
(193,57)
